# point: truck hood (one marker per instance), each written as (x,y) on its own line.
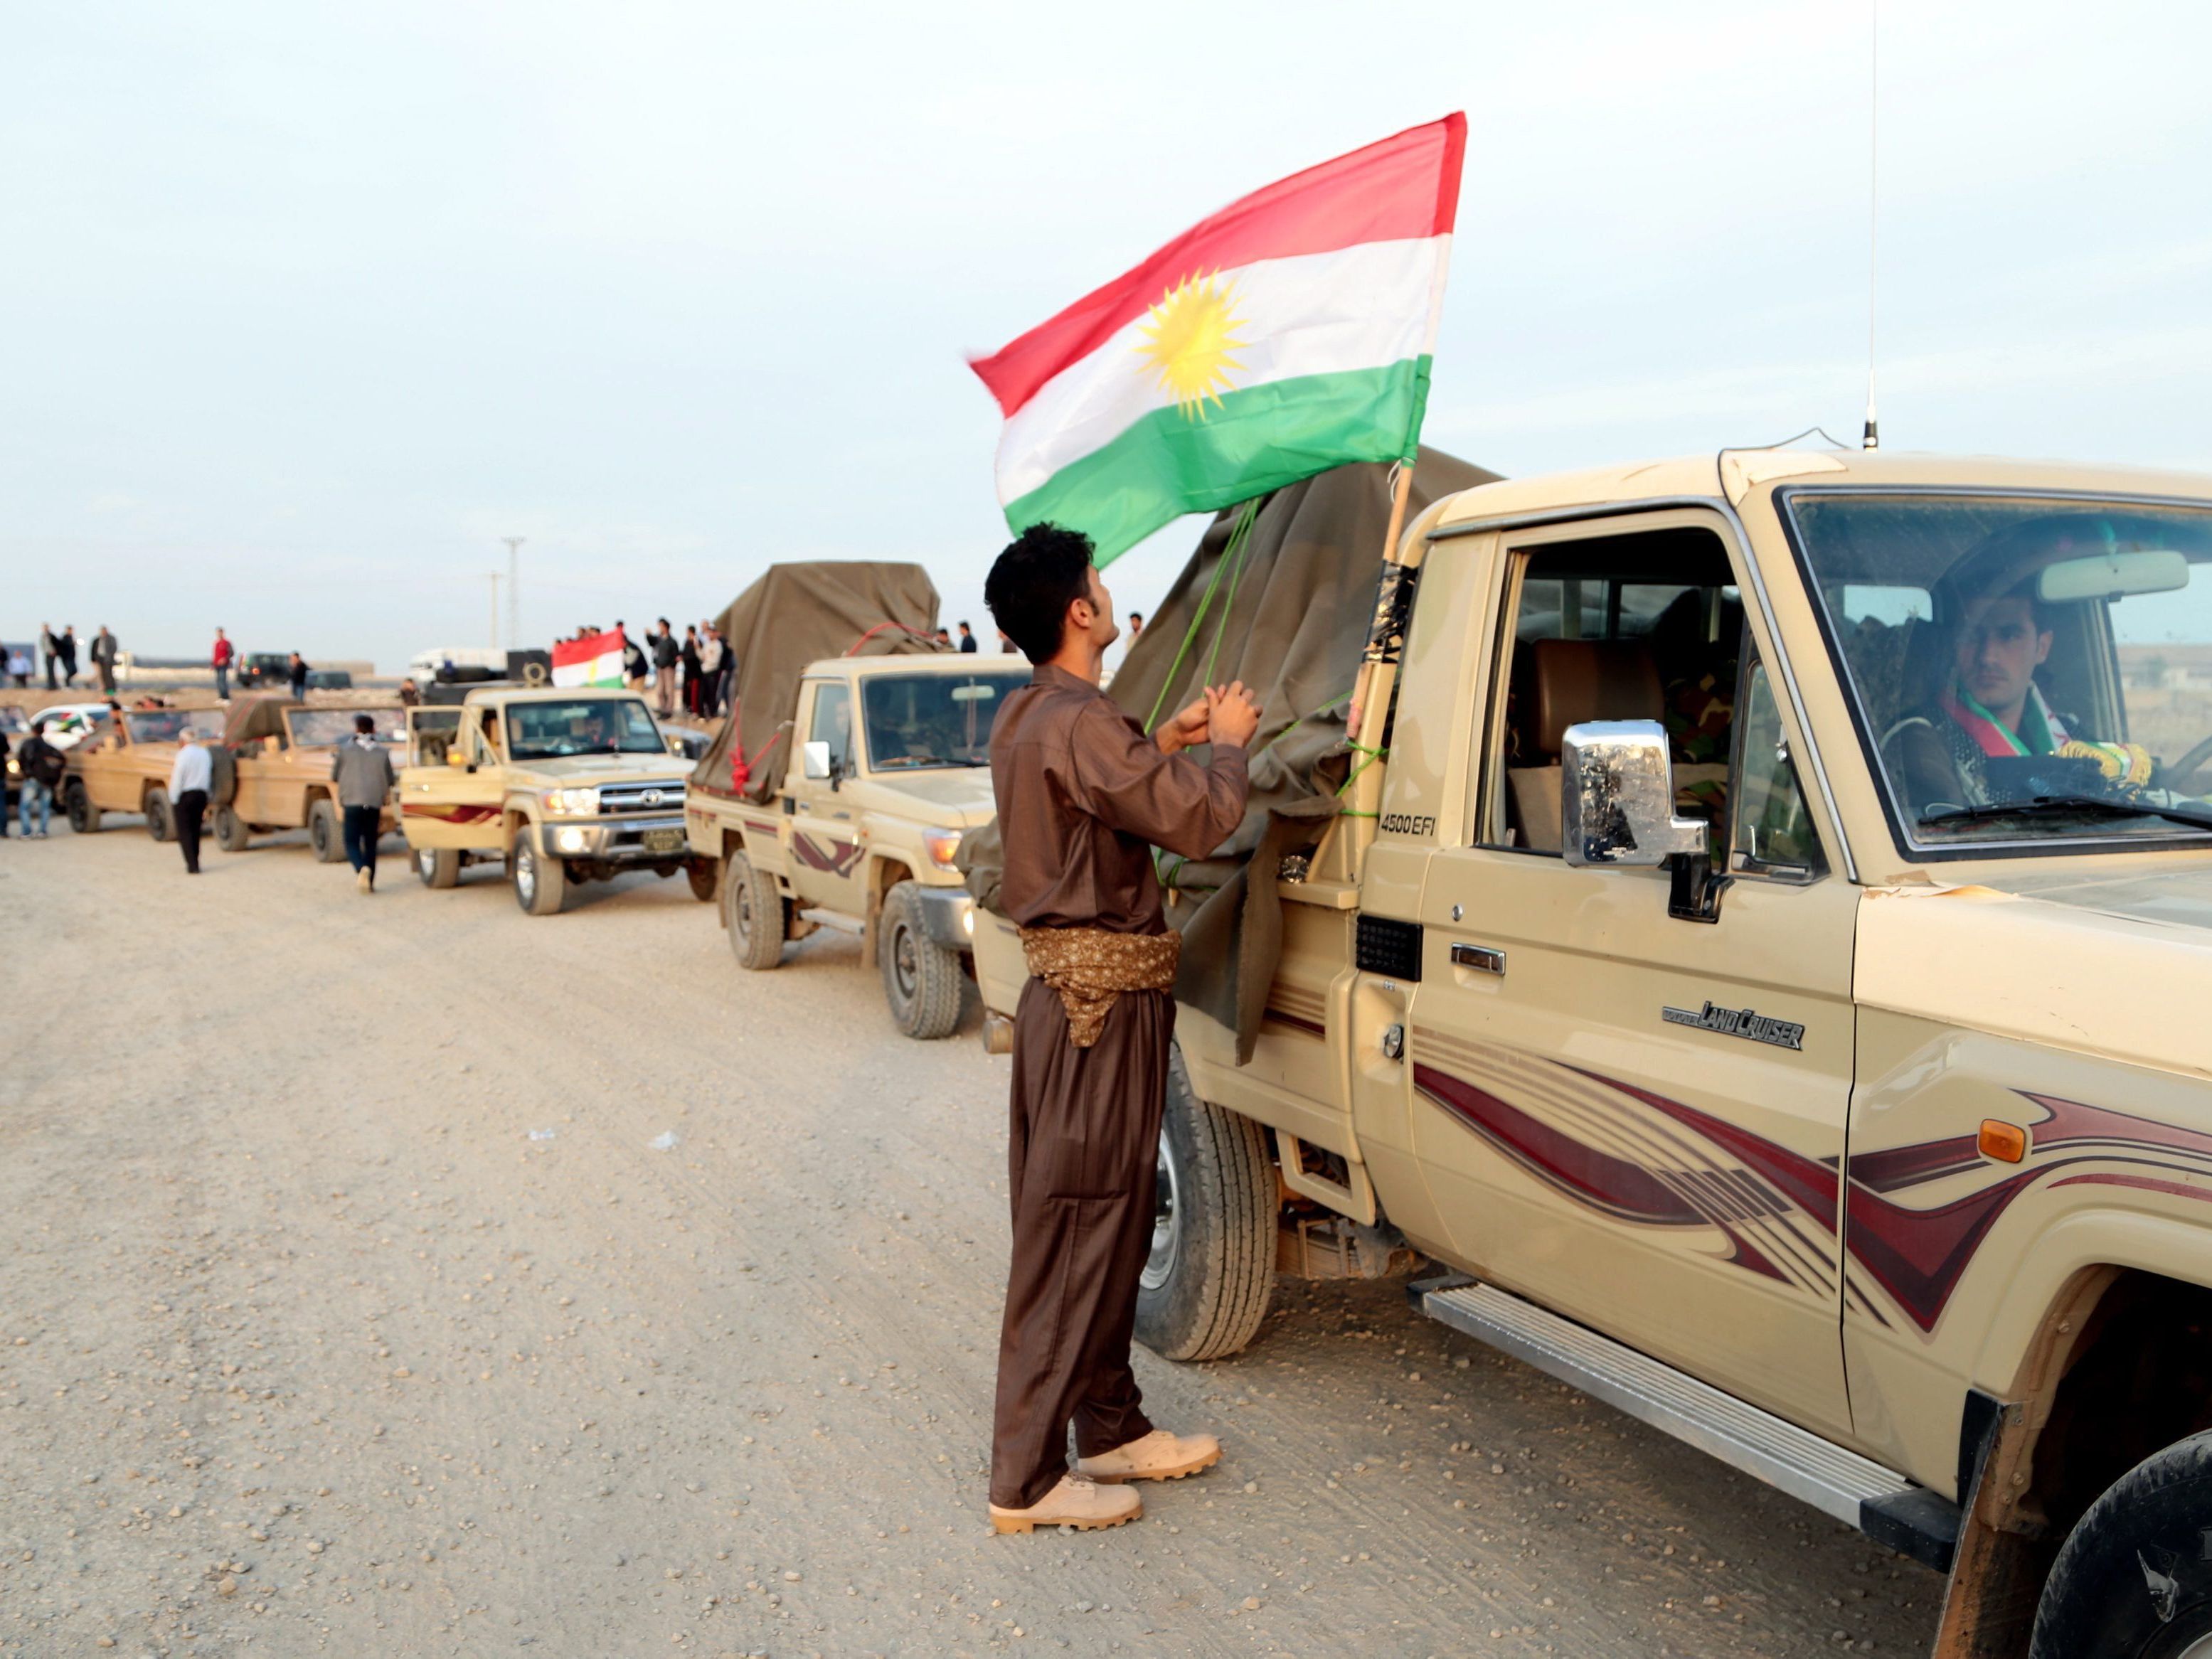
(954,800)
(579,769)
(2115,964)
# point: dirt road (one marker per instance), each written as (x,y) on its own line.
(350,1305)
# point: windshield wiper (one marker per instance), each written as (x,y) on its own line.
(2054,805)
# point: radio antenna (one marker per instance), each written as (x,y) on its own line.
(1873,437)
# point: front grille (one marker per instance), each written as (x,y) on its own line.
(619,798)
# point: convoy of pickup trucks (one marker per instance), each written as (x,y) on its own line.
(1675,955)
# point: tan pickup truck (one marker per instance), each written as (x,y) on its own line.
(887,766)
(273,772)
(562,786)
(1856,1124)
(122,765)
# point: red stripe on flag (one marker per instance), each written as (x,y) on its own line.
(1402,188)
(587,649)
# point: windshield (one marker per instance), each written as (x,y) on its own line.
(2027,671)
(919,720)
(325,728)
(168,725)
(596,726)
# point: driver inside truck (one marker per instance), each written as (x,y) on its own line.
(1988,705)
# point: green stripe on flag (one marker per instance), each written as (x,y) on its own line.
(1169,464)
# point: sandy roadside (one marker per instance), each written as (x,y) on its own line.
(349,1307)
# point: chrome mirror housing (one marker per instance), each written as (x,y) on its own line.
(1617,796)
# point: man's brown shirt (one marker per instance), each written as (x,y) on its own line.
(1084,796)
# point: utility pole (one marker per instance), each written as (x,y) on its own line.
(513,592)
(495,610)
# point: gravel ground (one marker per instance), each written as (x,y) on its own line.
(356,1300)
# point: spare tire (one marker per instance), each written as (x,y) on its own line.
(223,788)
(533,673)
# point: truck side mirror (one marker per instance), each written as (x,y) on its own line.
(814,760)
(1617,807)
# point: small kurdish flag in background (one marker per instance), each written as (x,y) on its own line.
(1289,333)
(596,660)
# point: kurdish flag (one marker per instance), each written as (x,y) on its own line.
(595,659)
(1289,333)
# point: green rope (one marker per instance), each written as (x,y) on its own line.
(1229,605)
(1234,552)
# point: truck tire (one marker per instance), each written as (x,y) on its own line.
(752,910)
(439,867)
(222,775)
(2131,1581)
(231,833)
(541,884)
(922,981)
(160,821)
(702,874)
(324,834)
(77,806)
(1206,1286)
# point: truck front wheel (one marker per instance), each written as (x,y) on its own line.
(324,833)
(541,884)
(160,821)
(2133,1580)
(752,910)
(702,872)
(922,979)
(439,867)
(231,833)
(1206,1283)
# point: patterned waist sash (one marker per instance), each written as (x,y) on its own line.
(1089,967)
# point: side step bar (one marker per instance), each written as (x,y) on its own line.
(1855,1489)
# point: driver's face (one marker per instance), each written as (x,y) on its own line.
(1999,651)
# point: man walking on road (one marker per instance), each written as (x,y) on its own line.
(219,658)
(43,765)
(362,771)
(299,672)
(1083,797)
(663,669)
(104,653)
(191,775)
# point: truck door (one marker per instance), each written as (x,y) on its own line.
(455,802)
(1634,1119)
(826,864)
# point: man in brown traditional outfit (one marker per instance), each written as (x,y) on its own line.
(1083,795)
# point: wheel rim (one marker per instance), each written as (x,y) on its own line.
(526,876)
(1167,1220)
(906,963)
(425,864)
(742,913)
(2200,1649)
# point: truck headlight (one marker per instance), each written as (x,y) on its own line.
(940,845)
(573,803)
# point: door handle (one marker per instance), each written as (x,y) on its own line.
(1481,958)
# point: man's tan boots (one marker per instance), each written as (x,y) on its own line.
(1158,1456)
(1074,1502)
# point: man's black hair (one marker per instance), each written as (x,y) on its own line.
(1042,572)
(364,722)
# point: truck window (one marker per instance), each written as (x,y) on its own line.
(831,722)
(1773,833)
(1639,627)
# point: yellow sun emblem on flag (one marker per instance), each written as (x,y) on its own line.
(1189,338)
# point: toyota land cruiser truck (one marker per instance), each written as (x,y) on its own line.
(562,786)
(1765,970)
(123,767)
(888,767)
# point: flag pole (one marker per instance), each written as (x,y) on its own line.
(1339,856)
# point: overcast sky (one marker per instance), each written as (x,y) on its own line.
(305,307)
